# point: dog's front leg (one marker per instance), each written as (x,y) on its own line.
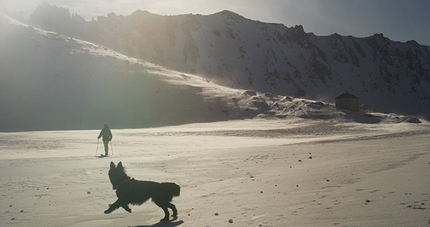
(125,206)
(113,207)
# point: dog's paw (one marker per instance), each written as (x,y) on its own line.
(107,211)
(165,219)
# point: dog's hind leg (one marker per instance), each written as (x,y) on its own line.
(163,206)
(166,214)
(173,207)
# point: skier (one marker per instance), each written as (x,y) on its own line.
(107,137)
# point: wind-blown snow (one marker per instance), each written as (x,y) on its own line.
(228,49)
(50,81)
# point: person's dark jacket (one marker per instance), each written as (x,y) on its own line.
(106,134)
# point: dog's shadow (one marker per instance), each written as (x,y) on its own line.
(163,224)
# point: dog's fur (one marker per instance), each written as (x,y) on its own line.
(136,192)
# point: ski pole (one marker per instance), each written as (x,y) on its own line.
(111,147)
(97,146)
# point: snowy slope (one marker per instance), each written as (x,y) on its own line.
(231,50)
(51,81)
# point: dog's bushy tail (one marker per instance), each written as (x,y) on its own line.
(172,188)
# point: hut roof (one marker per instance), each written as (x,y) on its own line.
(346,95)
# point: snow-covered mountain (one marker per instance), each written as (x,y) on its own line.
(228,49)
(51,81)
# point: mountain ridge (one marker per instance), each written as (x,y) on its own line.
(51,81)
(228,49)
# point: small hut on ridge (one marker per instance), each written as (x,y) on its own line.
(347,101)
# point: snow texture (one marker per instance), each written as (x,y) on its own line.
(293,172)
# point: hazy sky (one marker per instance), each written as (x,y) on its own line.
(399,20)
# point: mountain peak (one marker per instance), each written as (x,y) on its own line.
(230,50)
(229,15)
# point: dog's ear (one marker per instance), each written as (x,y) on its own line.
(119,165)
(112,165)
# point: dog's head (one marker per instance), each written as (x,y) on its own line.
(117,174)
